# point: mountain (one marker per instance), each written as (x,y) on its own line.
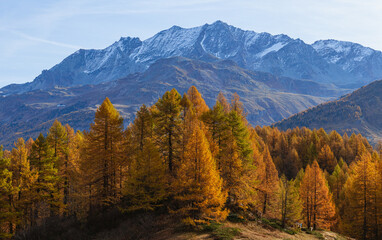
(342,63)
(267,98)
(361,62)
(358,112)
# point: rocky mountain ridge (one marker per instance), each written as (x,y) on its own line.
(328,61)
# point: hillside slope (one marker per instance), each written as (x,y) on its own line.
(266,98)
(358,112)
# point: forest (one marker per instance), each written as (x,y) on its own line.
(201,165)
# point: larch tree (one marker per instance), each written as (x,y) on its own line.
(215,121)
(43,162)
(168,128)
(336,143)
(326,159)
(198,187)
(7,190)
(185,128)
(295,164)
(57,139)
(299,177)
(23,180)
(268,185)
(236,165)
(73,191)
(318,207)
(238,107)
(336,182)
(223,102)
(146,184)
(102,156)
(290,203)
(377,196)
(362,188)
(199,105)
(240,135)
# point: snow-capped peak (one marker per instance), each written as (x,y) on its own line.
(342,47)
(346,54)
(325,60)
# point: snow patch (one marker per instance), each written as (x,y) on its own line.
(250,39)
(274,48)
(202,43)
(334,59)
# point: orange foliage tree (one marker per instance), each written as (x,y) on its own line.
(318,207)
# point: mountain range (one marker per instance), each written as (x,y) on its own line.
(345,64)
(275,75)
(267,98)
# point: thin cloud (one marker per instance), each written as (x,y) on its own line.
(41,40)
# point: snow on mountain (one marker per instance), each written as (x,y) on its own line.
(361,62)
(328,61)
(172,42)
(334,50)
(273,48)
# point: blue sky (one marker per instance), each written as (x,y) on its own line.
(36,35)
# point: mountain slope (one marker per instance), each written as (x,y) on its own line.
(277,54)
(358,112)
(361,62)
(267,98)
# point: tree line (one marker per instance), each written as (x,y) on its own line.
(200,164)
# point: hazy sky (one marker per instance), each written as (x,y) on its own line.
(36,35)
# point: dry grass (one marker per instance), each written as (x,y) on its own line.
(249,230)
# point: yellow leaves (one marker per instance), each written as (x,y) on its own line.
(267,186)
(198,186)
(169,157)
(198,102)
(102,155)
(363,195)
(318,207)
(326,159)
(146,183)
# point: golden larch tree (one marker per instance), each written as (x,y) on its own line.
(199,105)
(318,207)
(268,185)
(198,187)
(24,181)
(326,159)
(362,191)
(102,155)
